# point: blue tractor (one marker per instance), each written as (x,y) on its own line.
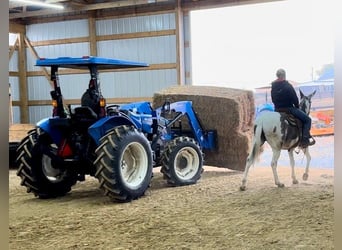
(117,144)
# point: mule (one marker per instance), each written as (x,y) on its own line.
(282,132)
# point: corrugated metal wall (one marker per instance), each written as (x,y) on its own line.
(136,24)
(150,49)
(57,30)
(13,80)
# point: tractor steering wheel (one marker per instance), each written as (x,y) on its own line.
(113,109)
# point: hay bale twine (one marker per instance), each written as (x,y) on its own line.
(229,111)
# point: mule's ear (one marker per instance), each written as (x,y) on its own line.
(312,94)
(301,94)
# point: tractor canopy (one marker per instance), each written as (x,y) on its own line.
(86,61)
(92,97)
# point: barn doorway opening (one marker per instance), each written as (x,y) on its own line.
(243,46)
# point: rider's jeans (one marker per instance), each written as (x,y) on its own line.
(305,119)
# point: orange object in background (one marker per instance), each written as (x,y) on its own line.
(327,121)
(323,117)
(322,122)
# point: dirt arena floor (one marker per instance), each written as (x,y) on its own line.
(213,214)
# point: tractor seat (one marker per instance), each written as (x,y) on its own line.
(85,114)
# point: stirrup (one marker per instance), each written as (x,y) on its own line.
(304,145)
(307,143)
(311,142)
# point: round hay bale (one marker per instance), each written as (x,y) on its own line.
(229,111)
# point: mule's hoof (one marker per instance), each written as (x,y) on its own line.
(295,182)
(281,185)
(305,176)
(242,188)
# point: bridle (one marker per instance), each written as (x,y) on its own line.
(305,104)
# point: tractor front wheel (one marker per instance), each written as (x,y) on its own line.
(124,164)
(182,162)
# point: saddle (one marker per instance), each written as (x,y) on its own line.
(292,121)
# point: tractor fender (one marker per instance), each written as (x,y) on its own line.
(102,126)
(53,131)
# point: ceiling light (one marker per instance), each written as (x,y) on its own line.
(38,3)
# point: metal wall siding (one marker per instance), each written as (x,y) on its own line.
(144,83)
(31,61)
(187,66)
(57,30)
(113,85)
(58,50)
(73,86)
(136,24)
(16,114)
(152,50)
(38,88)
(118,84)
(14,81)
(136,83)
(186,28)
(38,113)
(13,62)
(12,37)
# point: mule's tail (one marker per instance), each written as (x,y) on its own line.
(256,149)
(257,144)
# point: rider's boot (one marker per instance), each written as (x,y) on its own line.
(307,141)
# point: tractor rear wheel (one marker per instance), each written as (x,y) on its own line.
(124,164)
(43,176)
(182,162)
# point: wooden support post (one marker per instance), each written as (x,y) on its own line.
(187,48)
(16,28)
(24,110)
(34,52)
(179,44)
(12,49)
(92,36)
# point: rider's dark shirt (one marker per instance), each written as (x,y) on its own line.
(283,95)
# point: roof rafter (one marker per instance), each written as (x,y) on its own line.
(72,8)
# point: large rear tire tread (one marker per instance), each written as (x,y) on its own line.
(30,168)
(109,163)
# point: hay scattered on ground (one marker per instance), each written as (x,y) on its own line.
(212,214)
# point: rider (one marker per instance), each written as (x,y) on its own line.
(285,99)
